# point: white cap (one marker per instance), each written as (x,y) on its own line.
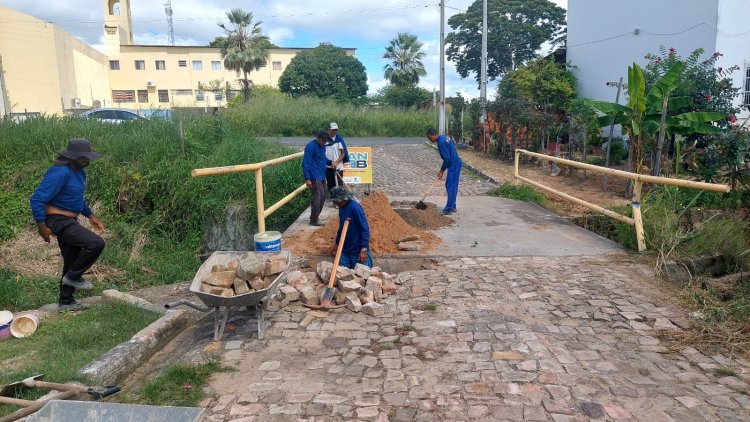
(333,125)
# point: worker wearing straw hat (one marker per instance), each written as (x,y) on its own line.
(357,242)
(56,204)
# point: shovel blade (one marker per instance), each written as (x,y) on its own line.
(12,390)
(421,206)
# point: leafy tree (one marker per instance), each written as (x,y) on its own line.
(325,71)
(709,86)
(245,48)
(515,31)
(458,105)
(406,54)
(218,42)
(642,115)
(545,84)
(404,96)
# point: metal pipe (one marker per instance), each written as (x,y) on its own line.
(243,167)
(185,302)
(284,200)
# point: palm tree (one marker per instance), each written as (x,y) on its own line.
(245,48)
(406,53)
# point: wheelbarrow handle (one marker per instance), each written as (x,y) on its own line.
(108,391)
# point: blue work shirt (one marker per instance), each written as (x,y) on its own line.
(314,161)
(448,153)
(62,187)
(358,233)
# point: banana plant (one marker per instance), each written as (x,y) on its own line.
(641,117)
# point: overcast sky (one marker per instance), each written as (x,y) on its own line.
(367,25)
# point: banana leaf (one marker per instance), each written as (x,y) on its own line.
(665,85)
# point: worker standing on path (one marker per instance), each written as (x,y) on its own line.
(55,205)
(314,165)
(452,163)
(357,242)
(338,154)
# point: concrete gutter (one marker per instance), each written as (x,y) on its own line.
(117,364)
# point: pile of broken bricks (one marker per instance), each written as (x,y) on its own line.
(360,290)
(251,272)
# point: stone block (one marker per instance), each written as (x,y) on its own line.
(389,287)
(233,264)
(349,285)
(411,246)
(367,297)
(309,296)
(296,279)
(353,304)
(250,267)
(240,286)
(376,289)
(257,283)
(373,309)
(222,279)
(275,265)
(361,270)
(289,293)
(218,268)
(227,293)
(410,238)
(207,288)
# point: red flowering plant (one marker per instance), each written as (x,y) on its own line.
(709,86)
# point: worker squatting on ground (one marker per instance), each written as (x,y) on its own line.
(314,165)
(452,163)
(56,204)
(338,154)
(357,242)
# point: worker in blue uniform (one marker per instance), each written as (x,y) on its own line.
(452,163)
(357,242)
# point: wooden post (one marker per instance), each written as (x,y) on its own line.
(517,159)
(259,199)
(636,203)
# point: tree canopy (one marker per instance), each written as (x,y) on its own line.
(325,71)
(516,29)
(406,67)
(245,48)
(218,42)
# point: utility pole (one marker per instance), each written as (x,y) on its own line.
(442,67)
(483,77)
(168,11)
(4,108)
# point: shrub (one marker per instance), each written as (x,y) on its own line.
(519,193)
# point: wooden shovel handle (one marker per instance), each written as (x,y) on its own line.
(427,192)
(338,254)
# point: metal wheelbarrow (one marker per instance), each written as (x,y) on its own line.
(222,306)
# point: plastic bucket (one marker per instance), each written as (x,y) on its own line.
(6,317)
(267,241)
(4,331)
(24,325)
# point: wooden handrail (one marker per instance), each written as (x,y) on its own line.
(210,171)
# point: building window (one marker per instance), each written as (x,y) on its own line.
(218,96)
(231,94)
(160,65)
(182,92)
(140,65)
(197,65)
(123,96)
(114,65)
(182,63)
(142,96)
(215,65)
(200,96)
(276,65)
(747,85)
(163,96)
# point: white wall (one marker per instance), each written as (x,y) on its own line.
(591,21)
(734,19)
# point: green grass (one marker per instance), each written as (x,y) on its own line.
(430,307)
(279,115)
(519,193)
(67,342)
(179,385)
(725,372)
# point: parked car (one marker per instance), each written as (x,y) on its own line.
(112,115)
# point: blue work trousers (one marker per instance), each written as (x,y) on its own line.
(451,186)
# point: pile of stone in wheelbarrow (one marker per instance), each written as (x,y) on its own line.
(251,272)
(360,290)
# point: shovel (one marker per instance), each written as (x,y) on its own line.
(325,302)
(421,205)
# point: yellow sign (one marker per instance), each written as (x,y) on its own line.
(359,168)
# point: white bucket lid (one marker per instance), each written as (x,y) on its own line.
(6,317)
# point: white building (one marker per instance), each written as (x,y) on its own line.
(607,36)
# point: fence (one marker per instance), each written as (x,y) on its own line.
(258,169)
(639,179)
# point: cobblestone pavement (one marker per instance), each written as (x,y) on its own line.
(408,170)
(481,339)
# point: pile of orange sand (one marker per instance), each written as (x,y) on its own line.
(386,228)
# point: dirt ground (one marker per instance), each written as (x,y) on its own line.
(386,228)
(429,219)
(571,181)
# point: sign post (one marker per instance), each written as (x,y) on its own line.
(359,169)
